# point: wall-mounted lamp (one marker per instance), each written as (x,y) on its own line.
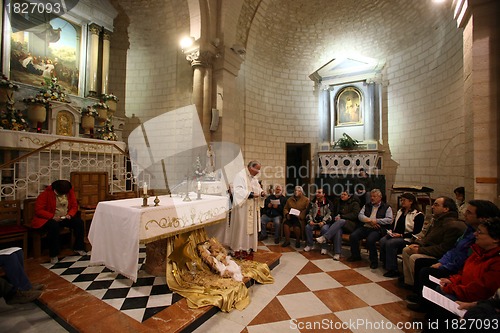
(186,42)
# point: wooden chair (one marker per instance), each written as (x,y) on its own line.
(37,234)
(90,188)
(11,228)
(121,195)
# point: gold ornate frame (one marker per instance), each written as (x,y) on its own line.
(349,107)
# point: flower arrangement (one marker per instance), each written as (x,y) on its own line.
(38,99)
(107,132)
(12,119)
(100,105)
(89,111)
(6,83)
(346,142)
(53,91)
(109,97)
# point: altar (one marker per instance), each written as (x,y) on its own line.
(119,226)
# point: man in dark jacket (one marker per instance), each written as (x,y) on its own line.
(441,236)
(376,217)
(273,212)
(346,213)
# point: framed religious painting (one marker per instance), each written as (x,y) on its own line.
(349,107)
(43,45)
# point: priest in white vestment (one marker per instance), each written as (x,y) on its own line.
(248,198)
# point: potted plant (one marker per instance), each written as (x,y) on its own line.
(346,142)
(110,100)
(7,89)
(102,111)
(37,108)
(107,132)
(88,119)
(53,91)
(12,119)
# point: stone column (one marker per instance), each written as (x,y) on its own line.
(202,87)
(481,54)
(93,60)
(105,61)
(227,65)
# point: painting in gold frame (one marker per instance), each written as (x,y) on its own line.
(349,107)
(51,49)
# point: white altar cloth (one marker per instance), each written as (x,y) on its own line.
(119,226)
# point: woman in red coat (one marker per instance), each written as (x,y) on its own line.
(480,277)
(56,207)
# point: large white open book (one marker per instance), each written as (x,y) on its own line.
(295,212)
(442,301)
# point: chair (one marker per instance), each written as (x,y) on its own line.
(90,188)
(37,233)
(11,228)
(121,195)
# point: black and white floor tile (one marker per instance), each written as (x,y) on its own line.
(139,300)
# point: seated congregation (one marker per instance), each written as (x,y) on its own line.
(458,244)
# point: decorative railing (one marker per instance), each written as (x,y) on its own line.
(27,175)
(349,161)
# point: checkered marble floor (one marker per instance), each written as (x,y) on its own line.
(314,293)
(139,300)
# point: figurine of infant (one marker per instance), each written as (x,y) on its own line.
(215,255)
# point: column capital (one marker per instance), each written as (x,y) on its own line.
(94,29)
(106,34)
(199,58)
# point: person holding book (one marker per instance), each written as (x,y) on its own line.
(452,261)
(319,217)
(347,215)
(295,214)
(12,262)
(480,276)
(477,281)
(409,220)
(441,236)
(273,212)
(248,197)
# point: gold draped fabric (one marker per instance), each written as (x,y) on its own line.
(191,278)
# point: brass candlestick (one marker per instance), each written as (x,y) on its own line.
(145,200)
(156,201)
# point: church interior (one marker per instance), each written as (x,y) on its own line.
(148,98)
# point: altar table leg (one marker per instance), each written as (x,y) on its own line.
(156,263)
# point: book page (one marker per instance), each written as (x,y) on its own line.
(275,202)
(9,250)
(434,279)
(442,301)
(295,212)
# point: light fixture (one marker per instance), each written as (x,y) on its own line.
(186,42)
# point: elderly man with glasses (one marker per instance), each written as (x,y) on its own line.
(273,212)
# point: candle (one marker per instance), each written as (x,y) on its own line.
(145,188)
(199,186)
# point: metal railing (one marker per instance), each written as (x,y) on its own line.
(26,176)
